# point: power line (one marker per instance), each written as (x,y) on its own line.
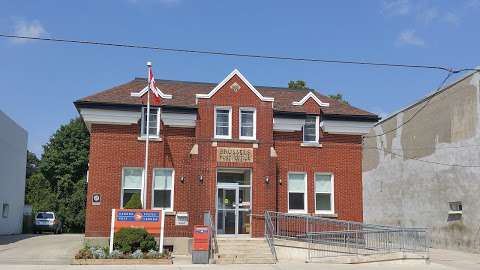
(450,73)
(425,161)
(224,53)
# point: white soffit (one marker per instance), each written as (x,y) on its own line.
(115,117)
(144,91)
(288,124)
(179,119)
(310,95)
(346,127)
(222,83)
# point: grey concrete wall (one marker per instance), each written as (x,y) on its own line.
(13,158)
(402,185)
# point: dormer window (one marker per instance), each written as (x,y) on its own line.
(310,129)
(154,123)
(223,122)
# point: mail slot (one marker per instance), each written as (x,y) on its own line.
(200,244)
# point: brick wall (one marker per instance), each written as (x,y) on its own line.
(114,147)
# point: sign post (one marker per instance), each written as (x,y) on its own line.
(153,221)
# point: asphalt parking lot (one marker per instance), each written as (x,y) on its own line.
(48,251)
(40,249)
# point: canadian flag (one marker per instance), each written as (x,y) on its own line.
(151,84)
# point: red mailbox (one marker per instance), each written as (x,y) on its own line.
(201,238)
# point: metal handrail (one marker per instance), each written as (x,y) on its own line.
(269,235)
(213,235)
(326,237)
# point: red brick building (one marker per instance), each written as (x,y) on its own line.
(231,148)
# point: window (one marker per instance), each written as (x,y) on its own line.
(324,193)
(163,189)
(5,209)
(248,123)
(310,129)
(154,123)
(297,188)
(132,183)
(223,122)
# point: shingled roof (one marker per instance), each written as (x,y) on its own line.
(184,92)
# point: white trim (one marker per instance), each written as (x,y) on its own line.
(305,195)
(315,98)
(317,131)
(123,182)
(170,209)
(142,124)
(346,127)
(247,109)
(144,91)
(229,136)
(113,117)
(332,194)
(222,83)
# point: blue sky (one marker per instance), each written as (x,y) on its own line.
(40,80)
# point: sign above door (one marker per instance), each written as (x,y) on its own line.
(229,154)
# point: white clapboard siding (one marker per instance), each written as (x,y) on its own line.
(287,124)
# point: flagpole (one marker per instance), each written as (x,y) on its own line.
(145,182)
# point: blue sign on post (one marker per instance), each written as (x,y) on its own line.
(134,216)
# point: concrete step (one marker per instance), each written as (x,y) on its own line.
(244,251)
(238,259)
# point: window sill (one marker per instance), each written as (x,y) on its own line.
(311,144)
(326,215)
(299,212)
(455,212)
(150,139)
(168,212)
(235,140)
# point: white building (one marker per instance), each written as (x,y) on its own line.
(13,158)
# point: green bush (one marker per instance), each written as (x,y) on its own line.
(134,202)
(128,240)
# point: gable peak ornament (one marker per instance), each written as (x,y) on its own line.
(235,87)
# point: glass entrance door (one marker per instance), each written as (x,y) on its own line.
(233,201)
(227,207)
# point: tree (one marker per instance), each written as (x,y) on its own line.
(298,84)
(58,184)
(134,202)
(339,97)
(32,164)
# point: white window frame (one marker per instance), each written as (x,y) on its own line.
(229,136)
(254,134)
(170,209)
(305,195)
(123,184)
(317,130)
(143,122)
(332,194)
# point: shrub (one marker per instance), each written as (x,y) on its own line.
(84,253)
(152,254)
(138,254)
(115,254)
(134,202)
(99,254)
(128,240)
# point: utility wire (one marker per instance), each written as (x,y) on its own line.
(425,161)
(224,53)
(425,104)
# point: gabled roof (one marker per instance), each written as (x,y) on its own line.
(230,76)
(184,94)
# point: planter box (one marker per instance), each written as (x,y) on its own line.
(120,261)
